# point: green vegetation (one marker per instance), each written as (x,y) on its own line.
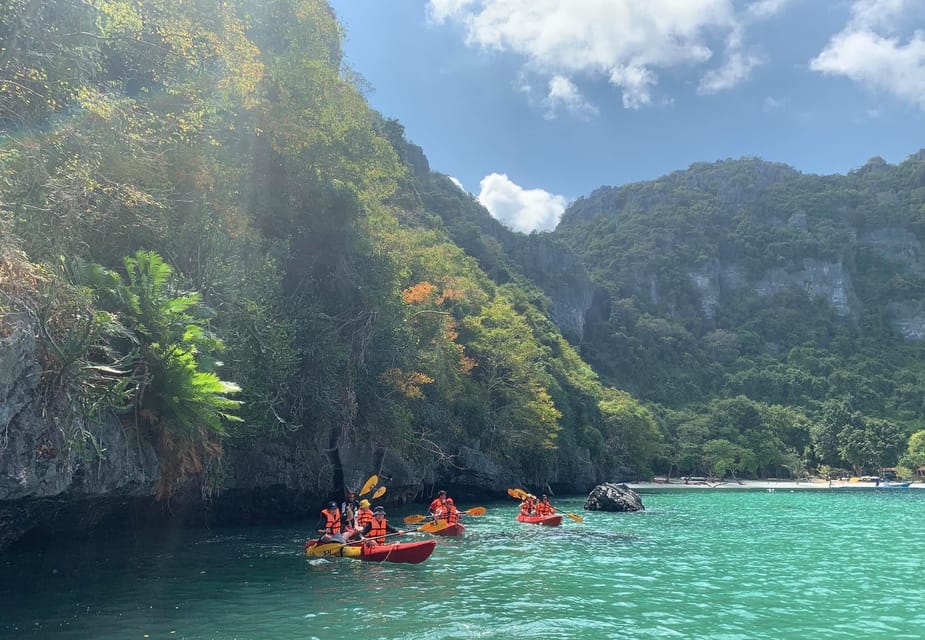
(184,180)
(745,285)
(269,216)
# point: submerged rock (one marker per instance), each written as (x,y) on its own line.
(613,497)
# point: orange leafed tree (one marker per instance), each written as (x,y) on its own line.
(419,293)
(407,383)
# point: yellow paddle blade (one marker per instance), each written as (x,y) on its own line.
(379,493)
(575,517)
(520,494)
(368,486)
(431,527)
(476,511)
(414,519)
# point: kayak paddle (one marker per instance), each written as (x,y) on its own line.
(372,482)
(474,511)
(433,527)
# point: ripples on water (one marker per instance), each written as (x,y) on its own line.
(697,564)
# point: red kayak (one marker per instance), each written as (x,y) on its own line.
(457,529)
(408,552)
(547,521)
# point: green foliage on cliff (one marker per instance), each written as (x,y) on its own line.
(747,280)
(266,210)
(362,299)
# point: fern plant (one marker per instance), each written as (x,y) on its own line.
(179,399)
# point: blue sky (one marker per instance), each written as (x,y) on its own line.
(531,104)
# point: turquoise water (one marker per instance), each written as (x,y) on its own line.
(696,564)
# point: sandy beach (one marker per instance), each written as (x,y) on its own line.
(756,485)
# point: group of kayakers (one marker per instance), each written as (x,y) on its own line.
(531,506)
(358,521)
(354,520)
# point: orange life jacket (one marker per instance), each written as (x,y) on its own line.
(448,513)
(332,524)
(377,530)
(364,516)
(436,505)
(544,509)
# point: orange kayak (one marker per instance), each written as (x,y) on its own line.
(547,521)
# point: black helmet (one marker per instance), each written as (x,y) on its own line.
(332,505)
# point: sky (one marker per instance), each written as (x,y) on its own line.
(531,104)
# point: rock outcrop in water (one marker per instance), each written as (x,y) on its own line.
(613,497)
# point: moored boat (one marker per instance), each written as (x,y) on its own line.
(404,552)
(882,486)
(547,521)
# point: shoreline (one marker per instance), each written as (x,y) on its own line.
(767,485)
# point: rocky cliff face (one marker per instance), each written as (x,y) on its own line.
(827,280)
(61,472)
(763,228)
(561,276)
(50,457)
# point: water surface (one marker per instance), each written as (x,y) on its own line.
(695,564)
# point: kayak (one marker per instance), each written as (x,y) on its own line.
(408,552)
(547,521)
(457,529)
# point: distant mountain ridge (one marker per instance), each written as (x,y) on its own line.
(720,246)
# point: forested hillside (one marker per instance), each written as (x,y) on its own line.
(224,276)
(227,281)
(777,318)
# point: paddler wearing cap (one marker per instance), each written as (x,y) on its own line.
(329,525)
(375,530)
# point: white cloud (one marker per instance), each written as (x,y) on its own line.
(635,81)
(518,208)
(771,103)
(883,15)
(871,51)
(736,69)
(627,42)
(765,8)
(563,94)
(442,10)
(457,183)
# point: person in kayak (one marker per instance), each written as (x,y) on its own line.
(543,508)
(348,509)
(447,512)
(437,502)
(329,525)
(364,516)
(375,530)
(528,506)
